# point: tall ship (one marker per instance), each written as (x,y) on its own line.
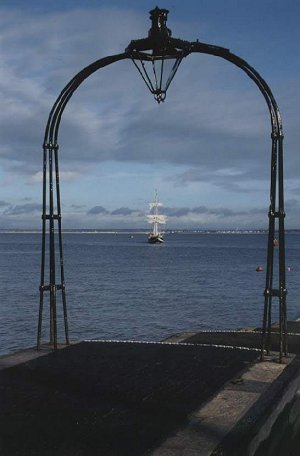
(156,219)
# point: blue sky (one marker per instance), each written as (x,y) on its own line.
(206,149)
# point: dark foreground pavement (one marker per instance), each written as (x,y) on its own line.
(249,338)
(109,399)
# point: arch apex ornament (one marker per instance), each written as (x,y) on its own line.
(159,23)
(160,55)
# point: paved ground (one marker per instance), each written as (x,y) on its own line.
(132,399)
(108,399)
(231,412)
(249,338)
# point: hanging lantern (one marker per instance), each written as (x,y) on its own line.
(158,57)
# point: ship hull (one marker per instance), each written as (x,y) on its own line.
(155,239)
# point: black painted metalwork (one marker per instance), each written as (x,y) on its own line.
(159,46)
(158,57)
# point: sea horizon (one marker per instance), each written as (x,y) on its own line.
(144,230)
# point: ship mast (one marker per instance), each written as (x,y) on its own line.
(155,218)
(155,213)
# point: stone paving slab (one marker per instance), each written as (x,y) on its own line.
(209,425)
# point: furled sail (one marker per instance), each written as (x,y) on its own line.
(155,219)
(161,219)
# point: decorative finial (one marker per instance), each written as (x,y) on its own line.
(159,23)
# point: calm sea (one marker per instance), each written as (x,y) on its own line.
(124,288)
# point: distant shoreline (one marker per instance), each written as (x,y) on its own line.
(137,231)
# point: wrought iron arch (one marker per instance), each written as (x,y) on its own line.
(276,210)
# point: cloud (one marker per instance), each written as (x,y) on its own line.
(176,211)
(224,126)
(77,206)
(123,211)
(213,128)
(199,217)
(23,209)
(200,210)
(224,212)
(295,191)
(221,212)
(4,204)
(241,180)
(76,39)
(96,210)
(292,204)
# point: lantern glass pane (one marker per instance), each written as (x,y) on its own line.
(157,74)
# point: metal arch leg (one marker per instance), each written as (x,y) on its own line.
(50,186)
(285,331)
(42,282)
(267,315)
(280,292)
(282,278)
(39,333)
(61,262)
(53,325)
